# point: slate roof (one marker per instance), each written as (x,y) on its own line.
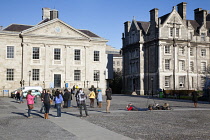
(164,17)
(89,33)
(195,26)
(17,27)
(143,26)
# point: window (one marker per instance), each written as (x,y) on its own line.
(203,52)
(57,54)
(181,65)
(96,55)
(191,51)
(181,50)
(167,50)
(113,63)
(96,76)
(10,51)
(167,81)
(76,54)
(10,74)
(177,32)
(35,74)
(171,31)
(181,81)
(203,66)
(203,36)
(118,63)
(35,53)
(203,82)
(191,66)
(118,69)
(167,64)
(77,75)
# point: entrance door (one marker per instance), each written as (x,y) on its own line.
(57,80)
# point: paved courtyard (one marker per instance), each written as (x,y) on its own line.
(183,122)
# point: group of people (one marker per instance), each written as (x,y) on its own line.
(58,97)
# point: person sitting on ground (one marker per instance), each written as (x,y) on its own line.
(131,107)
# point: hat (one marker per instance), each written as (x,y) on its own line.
(99,90)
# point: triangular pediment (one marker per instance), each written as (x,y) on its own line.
(54,28)
(174,18)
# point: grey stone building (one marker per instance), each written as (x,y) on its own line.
(51,54)
(168,52)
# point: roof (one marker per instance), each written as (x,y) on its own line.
(89,33)
(117,55)
(17,27)
(195,26)
(143,26)
(164,17)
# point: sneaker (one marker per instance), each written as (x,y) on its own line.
(30,117)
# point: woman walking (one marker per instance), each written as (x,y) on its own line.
(30,103)
(58,102)
(108,99)
(47,99)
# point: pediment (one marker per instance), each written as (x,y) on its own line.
(55,28)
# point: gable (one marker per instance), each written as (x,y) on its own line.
(55,28)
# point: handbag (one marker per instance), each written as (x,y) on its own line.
(31,106)
(51,101)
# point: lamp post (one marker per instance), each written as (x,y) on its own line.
(29,77)
(152,85)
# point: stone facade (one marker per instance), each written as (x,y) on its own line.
(51,54)
(168,52)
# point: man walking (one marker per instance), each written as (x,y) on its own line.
(82,101)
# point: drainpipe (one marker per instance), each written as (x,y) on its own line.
(22,82)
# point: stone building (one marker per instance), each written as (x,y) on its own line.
(51,54)
(168,52)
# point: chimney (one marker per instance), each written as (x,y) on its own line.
(127,26)
(154,16)
(53,14)
(182,10)
(200,16)
(45,13)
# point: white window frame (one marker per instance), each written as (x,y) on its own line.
(203,52)
(181,81)
(181,65)
(181,50)
(96,56)
(203,66)
(191,51)
(10,52)
(96,75)
(57,54)
(35,74)
(77,75)
(167,49)
(35,53)
(177,32)
(10,75)
(167,64)
(191,66)
(77,54)
(203,37)
(167,81)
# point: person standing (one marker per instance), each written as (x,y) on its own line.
(30,103)
(58,102)
(18,96)
(21,96)
(82,101)
(66,97)
(195,98)
(47,99)
(99,98)
(70,98)
(92,97)
(42,100)
(108,99)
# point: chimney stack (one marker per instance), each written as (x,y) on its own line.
(53,14)
(45,13)
(182,10)
(154,17)
(200,16)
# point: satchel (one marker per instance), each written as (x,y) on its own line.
(31,106)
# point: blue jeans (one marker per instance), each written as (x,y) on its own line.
(58,106)
(69,103)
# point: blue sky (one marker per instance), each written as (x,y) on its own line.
(103,17)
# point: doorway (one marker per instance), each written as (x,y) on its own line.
(57,80)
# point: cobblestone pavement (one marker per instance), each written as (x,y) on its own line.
(183,122)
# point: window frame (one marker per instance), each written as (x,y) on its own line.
(10,52)
(96,56)
(167,64)
(57,54)
(96,75)
(167,50)
(77,75)
(181,81)
(77,54)
(35,55)
(35,74)
(10,75)
(203,52)
(167,81)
